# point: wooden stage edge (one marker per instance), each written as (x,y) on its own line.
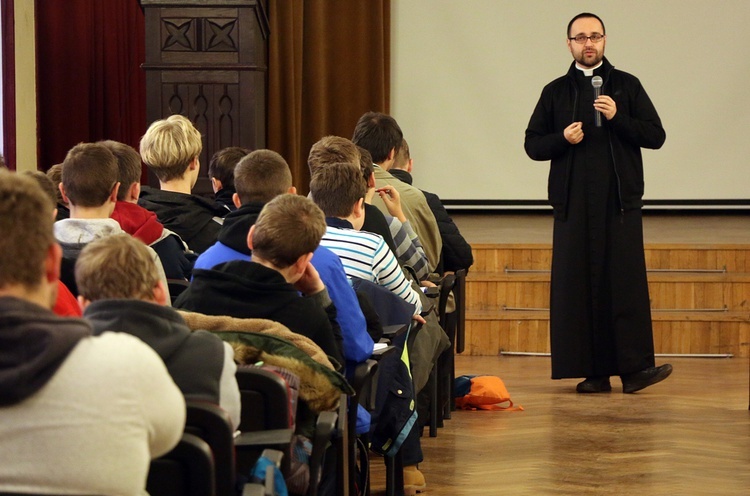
(727,228)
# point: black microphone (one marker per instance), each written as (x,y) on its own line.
(597,83)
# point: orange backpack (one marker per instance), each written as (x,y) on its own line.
(486,392)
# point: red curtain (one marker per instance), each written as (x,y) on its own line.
(90,85)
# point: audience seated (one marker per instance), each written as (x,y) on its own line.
(339,191)
(78,414)
(381,135)
(141,223)
(221,173)
(456,253)
(171,148)
(282,241)
(89,185)
(259,177)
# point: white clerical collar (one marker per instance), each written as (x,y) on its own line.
(589,71)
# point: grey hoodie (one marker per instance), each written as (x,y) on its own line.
(34,342)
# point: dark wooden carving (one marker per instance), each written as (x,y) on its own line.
(207,60)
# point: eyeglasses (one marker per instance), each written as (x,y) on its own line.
(581,39)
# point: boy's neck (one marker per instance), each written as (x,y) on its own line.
(100,212)
(182,185)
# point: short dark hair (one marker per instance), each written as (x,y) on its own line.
(55,174)
(45,183)
(402,157)
(379,134)
(331,150)
(223,162)
(584,15)
(89,173)
(336,188)
(26,227)
(261,176)
(365,165)
(129,165)
(288,227)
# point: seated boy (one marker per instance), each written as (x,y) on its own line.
(89,186)
(282,240)
(171,148)
(141,223)
(339,191)
(119,290)
(221,174)
(259,178)
(78,414)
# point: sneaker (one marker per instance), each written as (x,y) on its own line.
(413,481)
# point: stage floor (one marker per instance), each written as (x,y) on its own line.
(536,228)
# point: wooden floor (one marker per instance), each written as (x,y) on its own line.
(689,435)
(693,228)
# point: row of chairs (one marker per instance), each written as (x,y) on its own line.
(209,457)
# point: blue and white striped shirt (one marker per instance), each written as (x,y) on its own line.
(366,256)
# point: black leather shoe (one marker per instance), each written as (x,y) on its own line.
(645,378)
(594,385)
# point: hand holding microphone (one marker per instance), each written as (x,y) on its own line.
(603,104)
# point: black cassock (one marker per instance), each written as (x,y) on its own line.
(600,319)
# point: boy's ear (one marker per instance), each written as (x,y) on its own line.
(134,192)
(83,302)
(62,193)
(392,154)
(113,193)
(359,209)
(216,184)
(301,264)
(250,237)
(236,200)
(52,263)
(160,293)
(292,190)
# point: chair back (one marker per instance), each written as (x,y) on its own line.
(187,470)
(265,400)
(459,293)
(212,424)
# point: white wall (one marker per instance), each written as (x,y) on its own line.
(466,76)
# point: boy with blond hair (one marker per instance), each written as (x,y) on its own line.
(120,290)
(171,149)
(141,223)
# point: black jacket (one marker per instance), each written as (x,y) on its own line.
(636,125)
(456,251)
(195,360)
(237,224)
(195,219)
(249,290)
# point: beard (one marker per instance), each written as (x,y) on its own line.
(589,60)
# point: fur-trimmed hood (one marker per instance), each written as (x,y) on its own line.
(260,340)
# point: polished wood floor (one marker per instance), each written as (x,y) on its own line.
(689,435)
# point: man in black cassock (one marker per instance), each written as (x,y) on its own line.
(600,318)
